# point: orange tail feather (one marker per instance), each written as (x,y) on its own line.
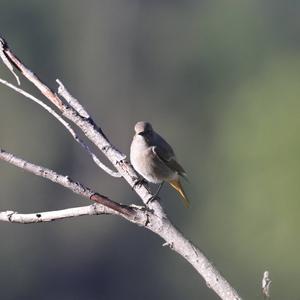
(176,184)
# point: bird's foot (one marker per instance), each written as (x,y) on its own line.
(152,198)
(139,182)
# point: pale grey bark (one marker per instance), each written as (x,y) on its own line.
(150,216)
(266,285)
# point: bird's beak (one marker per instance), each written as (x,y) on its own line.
(142,133)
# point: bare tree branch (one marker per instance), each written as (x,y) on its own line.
(71,100)
(66,125)
(49,216)
(14,61)
(65,181)
(266,285)
(6,61)
(153,218)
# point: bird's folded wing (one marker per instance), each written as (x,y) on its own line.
(169,159)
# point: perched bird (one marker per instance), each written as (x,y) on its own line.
(154,159)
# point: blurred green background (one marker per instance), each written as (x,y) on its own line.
(219,80)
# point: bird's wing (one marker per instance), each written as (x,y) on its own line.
(166,154)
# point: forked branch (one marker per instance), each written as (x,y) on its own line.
(151,216)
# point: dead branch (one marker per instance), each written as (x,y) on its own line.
(65,124)
(153,217)
(65,181)
(49,216)
(266,285)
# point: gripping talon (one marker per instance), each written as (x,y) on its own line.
(139,182)
(152,198)
(155,196)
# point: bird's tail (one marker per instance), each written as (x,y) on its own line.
(176,184)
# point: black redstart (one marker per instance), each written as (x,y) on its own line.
(154,159)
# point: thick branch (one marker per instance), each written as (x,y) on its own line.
(177,242)
(73,102)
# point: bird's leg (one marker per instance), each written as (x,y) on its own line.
(155,196)
(139,182)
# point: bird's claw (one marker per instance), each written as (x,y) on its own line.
(152,198)
(139,182)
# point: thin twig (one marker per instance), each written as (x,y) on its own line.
(66,125)
(266,285)
(6,61)
(45,90)
(49,216)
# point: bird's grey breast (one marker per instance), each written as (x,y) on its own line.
(138,151)
(147,163)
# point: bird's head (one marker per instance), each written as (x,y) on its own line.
(143,128)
